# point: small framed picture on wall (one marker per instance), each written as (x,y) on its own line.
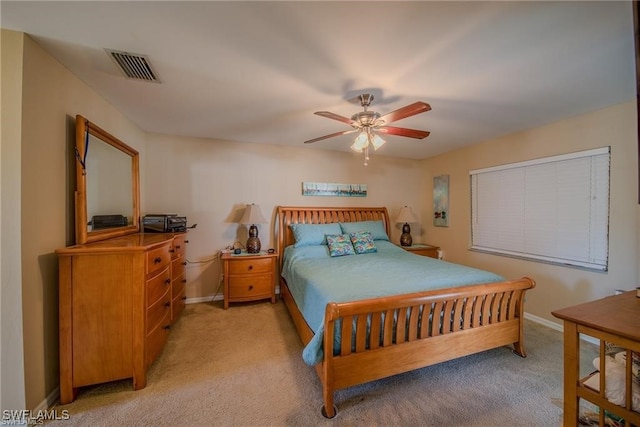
(441,201)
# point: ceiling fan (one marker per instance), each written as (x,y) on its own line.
(369,124)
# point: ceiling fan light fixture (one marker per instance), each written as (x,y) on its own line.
(361,142)
(377,141)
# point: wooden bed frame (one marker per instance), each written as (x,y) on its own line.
(468,319)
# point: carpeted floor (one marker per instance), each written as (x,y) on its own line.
(243,367)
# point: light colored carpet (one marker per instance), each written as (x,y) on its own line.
(243,367)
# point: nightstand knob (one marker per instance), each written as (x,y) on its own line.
(167,282)
(250,287)
(157,260)
(251,267)
(167,304)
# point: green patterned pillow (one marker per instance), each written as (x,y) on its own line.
(339,245)
(363,242)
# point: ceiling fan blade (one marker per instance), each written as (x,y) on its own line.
(411,133)
(404,112)
(334,116)
(320,138)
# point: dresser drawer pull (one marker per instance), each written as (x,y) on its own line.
(167,281)
(171,250)
(251,267)
(184,297)
(177,246)
(157,260)
(167,304)
(184,280)
(186,241)
(250,287)
(166,327)
(184,263)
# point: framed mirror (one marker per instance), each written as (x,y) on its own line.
(107,198)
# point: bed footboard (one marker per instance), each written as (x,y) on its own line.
(390,335)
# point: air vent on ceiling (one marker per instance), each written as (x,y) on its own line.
(134,66)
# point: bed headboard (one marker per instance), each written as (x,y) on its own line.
(287,215)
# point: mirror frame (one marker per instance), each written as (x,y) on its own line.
(83,235)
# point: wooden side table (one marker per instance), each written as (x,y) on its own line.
(249,277)
(614,319)
(422,249)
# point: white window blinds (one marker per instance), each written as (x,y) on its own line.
(554,209)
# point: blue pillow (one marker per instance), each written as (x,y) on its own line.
(340,245)
(376,228)
(313,234)
(363,242)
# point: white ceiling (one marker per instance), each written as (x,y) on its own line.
(257,71)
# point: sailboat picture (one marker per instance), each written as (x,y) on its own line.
(333,189)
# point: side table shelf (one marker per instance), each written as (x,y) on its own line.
(614,320)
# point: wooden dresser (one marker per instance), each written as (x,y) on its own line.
(118,299)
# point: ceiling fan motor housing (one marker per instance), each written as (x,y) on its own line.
(365,118)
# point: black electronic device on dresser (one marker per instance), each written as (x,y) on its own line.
(164,223)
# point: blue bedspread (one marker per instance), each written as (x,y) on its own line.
(315,279)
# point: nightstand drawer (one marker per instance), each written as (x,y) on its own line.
(250,266)
(250,286)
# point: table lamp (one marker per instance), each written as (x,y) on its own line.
(406,216)
(253,216)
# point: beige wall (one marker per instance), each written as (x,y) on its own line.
(556,286)
(51,97)
(12,387)
(210,182)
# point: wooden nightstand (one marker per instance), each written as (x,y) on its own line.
(249,277)
(424,250)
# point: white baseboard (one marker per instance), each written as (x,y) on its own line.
(49,402)
(558,327)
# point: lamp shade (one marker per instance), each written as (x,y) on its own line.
(405,215)
(252,215)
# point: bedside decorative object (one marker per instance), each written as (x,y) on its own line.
(405,216)
(253,216)
(249,277)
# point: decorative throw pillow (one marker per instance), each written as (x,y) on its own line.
(376,228)
(363,242)
(340,245)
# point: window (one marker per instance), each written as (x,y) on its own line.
(554,209)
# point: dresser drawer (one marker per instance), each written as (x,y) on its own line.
(158,310)
(178,246)
(177,286)
(177,267)
(157,338)
(177,305)
(158,258)
(158,285)
(245,266)
(250,286)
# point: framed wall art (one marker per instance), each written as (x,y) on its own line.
(441,201)
(333,189)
